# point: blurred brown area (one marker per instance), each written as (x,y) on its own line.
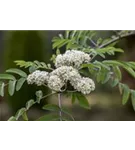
(105,104)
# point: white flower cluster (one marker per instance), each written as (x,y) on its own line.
(85,85)
(72,58)
(55,83)
(66,71)
(38,77)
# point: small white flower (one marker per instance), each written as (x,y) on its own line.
(72,58)
(55,83)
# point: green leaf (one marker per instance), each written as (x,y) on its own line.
(98,78)
(126,94)
(17,71)
(109,50)
(11,87)
(113,44)
(73,98)
(90,65)
(23,63)
(121,64)
(32,69)
(24,116)
(12,118)
(104,75)
(57,52)
(20,113)
(106,78)
(49,65)
(132,64)
(99,41)
(101,64)
(65,119)
(66,111)
(102,55)
(7,77)
(117,72)
(38,64)
(72,34)
(2,85)
(29,104)
(39,95)
(60,43)
(44,64)
(20,83)
(115,82)
(67,34)
(50,117)
(55,39)
(51,107)
(83,102)
(120,87)
(133,99)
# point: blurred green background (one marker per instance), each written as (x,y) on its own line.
(36,45)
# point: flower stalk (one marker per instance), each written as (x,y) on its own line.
(59,102)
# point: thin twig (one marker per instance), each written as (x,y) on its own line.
(93,43)
(112,41)
(71,91)
(116,39)
(47,95)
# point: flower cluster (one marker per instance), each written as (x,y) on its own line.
(66,73)
(85,85)
(38,77)
(55,83)
(66,70)
(72,58)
